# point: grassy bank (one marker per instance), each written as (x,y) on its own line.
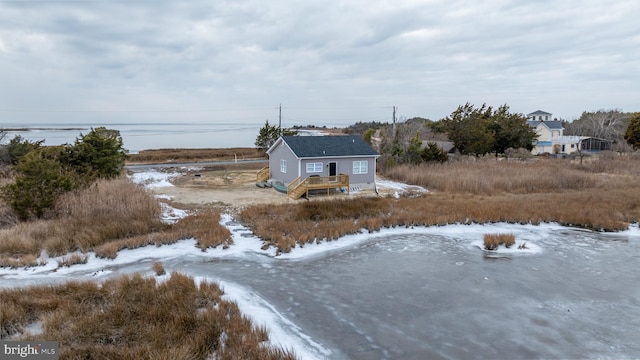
(108,217)
(135,318)
(195,155)
(603,195)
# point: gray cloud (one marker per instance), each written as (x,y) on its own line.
(336,62)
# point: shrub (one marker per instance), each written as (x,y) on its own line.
(19,147)
(493,241)
(158,268)
(40,181)
(73,259)
(98,154)
(136,318)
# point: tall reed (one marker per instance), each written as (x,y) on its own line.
(488,191)
(136,318)
(85,219)
(178,155)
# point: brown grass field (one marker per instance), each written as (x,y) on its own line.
(194,155)
(135,318)
(108,217)
(602,194)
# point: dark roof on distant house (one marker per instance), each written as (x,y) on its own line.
(326,146)
(555,125)
(539,112)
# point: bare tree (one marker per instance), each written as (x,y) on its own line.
(602,124)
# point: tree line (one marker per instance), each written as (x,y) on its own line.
(478,131)
(43,173)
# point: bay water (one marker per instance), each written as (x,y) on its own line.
(141,136)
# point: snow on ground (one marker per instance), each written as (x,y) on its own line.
(398,188)
(282,331)
(263,313)
(153,178)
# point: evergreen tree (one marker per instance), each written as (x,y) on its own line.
(632,134)
(19,147)
(432,153)
(414,150)
(483,130)
(98,154)
(510,131)
(269,134)
(368,136)
(46,172)
(41,179)
(468,129)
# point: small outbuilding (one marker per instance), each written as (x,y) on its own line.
(321,162)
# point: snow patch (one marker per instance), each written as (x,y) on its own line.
(153,179)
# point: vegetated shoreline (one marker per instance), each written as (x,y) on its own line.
(602,195)
(164,156)
(26,129)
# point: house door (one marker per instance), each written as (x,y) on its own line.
(332,169)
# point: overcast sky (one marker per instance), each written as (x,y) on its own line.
(326,62)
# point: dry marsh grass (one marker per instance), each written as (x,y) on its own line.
(204,226)
(493,241)
(490,177)
(158,268)
(467,192)
(86,219)
(136,318)
(187,155)
(73,259)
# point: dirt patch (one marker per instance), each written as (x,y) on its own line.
(230,188)
(220,188)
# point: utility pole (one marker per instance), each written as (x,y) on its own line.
(394,120)
(280,120)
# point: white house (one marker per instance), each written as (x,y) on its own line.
(540,115)
(551,138)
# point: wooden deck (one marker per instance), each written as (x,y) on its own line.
(299,187)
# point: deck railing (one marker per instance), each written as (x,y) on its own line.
(263,174)
(299,187)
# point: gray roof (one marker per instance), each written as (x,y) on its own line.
(555,125)
(539,112)
(328,146)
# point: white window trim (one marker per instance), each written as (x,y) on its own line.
(360,167)
(283,166)
(314,167)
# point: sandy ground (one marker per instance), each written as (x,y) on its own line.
(232,188)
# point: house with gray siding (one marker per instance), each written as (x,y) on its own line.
(293,157)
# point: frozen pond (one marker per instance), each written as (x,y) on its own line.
(425,292)
(434,294)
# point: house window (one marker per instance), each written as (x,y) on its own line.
(283,166)
(314,167)
(360,167)
(573,146)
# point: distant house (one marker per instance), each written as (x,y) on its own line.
(539,115)
(551,138)
(550,133)
(297,158)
